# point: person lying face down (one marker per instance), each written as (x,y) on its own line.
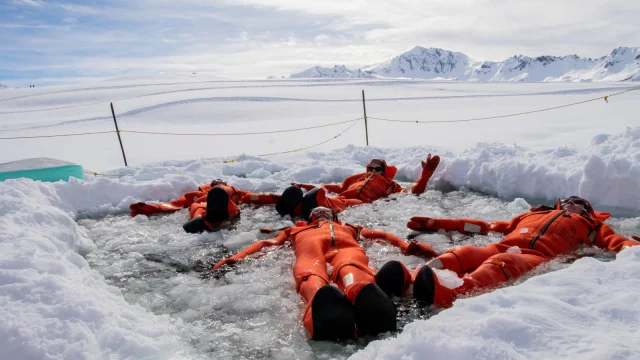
(531,239)
(376,183)
(355,306)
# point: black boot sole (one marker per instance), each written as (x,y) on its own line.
(390,278)
(217,205)
(195,226)
(309,202)
(375,313)
(289,201)
(424,287)
(332,315)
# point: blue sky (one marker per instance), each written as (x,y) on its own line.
(45,42)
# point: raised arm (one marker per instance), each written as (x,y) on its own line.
(254,248)
(428,168)
(464,226)
(607,239)
(408,248)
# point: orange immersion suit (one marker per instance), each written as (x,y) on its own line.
(199,199)
(322,242)
(364,188)
(531,239)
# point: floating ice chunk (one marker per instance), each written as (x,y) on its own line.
(519,204)
(514,250)
(259,174)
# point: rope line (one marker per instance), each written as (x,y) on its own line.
(606,98)
(355,121)
(182,134)
(100,174)
(312,146)
(57,135)
(239,134)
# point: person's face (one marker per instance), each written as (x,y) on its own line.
(322,214)
(376,167)
(574,205)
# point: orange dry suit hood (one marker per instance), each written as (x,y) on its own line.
(598,215)
(389,171)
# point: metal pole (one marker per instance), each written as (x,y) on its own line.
(366,128)
(118,132)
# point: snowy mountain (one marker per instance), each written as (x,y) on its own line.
(3,87)
(338,71)
(623,64)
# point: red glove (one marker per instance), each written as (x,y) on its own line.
(635,238)
(431,164)
(141,208)
(420,223)
(304,186)
(420,249)
(222,262)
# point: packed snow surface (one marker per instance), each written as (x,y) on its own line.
(80,278)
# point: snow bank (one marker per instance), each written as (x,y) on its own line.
(585,311)
(53,304)
(607,172)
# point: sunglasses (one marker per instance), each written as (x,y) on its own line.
(376,169)
(575,201)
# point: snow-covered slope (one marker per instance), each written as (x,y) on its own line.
(338,71)
(622,64)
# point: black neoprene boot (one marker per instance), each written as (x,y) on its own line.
(332,315)
(375,313)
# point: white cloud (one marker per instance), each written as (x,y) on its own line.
(257,38)
(80,9)
(37,3)
(70,20)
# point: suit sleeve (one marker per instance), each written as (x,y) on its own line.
(255,247)
(607,239)
(420,186)
(335,188)
(464,226)
(506,227)
(259,199)
(406,247)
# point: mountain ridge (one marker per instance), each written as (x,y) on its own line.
(622,64)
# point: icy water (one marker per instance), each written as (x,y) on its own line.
(252,310)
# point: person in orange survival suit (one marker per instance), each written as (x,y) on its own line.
(357,302)
(366,187)
(531,239)
(208,206)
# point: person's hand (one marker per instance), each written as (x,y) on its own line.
(420,223)
(431,164)
(420,249)
(138,209)
(222,262)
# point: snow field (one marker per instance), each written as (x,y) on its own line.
(75,282)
